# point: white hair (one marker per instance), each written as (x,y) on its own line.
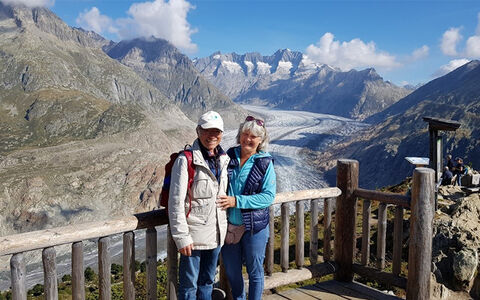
(256,130)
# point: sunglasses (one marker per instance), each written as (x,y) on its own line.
(258,121)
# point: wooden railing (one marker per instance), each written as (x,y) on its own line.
(421,205)
(344,240)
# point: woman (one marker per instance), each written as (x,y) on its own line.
(251,191)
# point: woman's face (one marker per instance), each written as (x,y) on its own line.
(249,141)
(210,138)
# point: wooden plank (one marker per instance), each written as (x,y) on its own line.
(50,273)
(314,232)
(78,275)
(389,198)
(172,267)
(18,274)
(73,233)
(335,287)
(327,228)
(381,235)
(296,275)
(300,233)
(129,265)
(151,260)
(296,294)
(380,276)
(360,288)
(104,269)
(269,251)
(320,293)
(366,212)
(421,228)
(285,236)
(345,218)
(397,240)
(306,194)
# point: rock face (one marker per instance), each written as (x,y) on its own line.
(288,80)
(173,73)
(81,135)
(399,131)
(456,241)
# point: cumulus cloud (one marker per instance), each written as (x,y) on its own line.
(450,40)
(93,20)
(349,55)
(165,19)
(30,3)
(452,65)
(420,53)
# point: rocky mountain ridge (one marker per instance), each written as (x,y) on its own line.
(289,80)
(400,131)
(81,134)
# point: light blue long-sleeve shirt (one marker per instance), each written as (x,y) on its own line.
(237,184)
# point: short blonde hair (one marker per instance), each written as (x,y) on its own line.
(256,130)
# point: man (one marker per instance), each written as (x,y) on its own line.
(450,163)
(447,176)
(200,235)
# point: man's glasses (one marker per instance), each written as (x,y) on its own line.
(258,121)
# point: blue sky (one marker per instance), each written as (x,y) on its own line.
(405,41)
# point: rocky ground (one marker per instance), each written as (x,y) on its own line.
(456,244)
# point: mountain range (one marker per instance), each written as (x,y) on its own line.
(84,135)
(399,131)
(289,80)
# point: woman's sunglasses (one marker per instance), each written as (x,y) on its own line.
(258,121)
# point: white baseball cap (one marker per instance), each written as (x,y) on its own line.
(211,119)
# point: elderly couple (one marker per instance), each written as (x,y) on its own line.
(238,185)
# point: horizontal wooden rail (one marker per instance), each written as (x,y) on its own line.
(73,233)
(307,194)
(296,275)
(389,198)
(380,276)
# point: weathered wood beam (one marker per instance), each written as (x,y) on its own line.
(314,232)
(78,275)
(300,233)
(389,198)
(50,273)
(129,265)
(380,276)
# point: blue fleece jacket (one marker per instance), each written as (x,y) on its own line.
(237,183)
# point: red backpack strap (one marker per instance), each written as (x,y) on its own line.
(191,173)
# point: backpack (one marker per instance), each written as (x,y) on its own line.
(168,176)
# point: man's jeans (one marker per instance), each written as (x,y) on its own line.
(197,274)
(251,251)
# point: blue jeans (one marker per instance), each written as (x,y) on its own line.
(197,274)
(251,251)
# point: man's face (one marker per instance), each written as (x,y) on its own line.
(210,138)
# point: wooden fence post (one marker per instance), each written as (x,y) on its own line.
(78,275)
(345,218)
(300,234)
(151,257)
(172,266)
(314,232)
(129,265)
(18,273)
(269,252)
(104,269)
(285,236)
(50,273)
(421,231)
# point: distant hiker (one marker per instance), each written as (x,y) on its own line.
(459,170)
(199,236)
(251,191)
(450,163)
(447,176)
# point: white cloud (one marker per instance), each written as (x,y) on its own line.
(348,55)
(93,20)
(472,49)
(30,3)
(420,53)
(166,19)
(450,40)
(452,65)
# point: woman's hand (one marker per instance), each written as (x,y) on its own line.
(187,250)
(225,202)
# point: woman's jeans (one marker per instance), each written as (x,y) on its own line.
(197,274)
(251,251)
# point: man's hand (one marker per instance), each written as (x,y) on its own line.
(187,250)
(225,202)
